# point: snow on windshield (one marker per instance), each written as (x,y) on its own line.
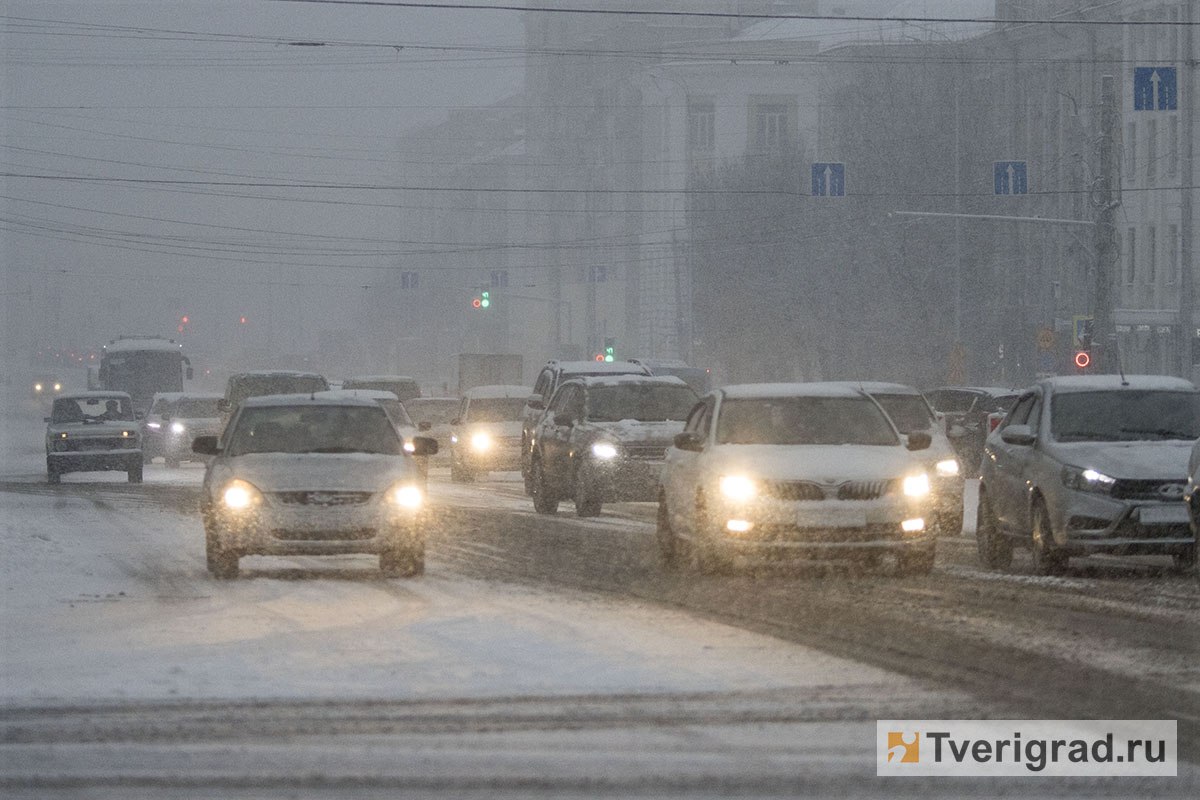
(803,420)
(1124,415)
(313,429)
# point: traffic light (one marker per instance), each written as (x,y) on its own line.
(610,349)
(1083,359)
(482,300)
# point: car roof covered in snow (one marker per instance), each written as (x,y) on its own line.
(496,391)
(273,373)
(97,394)
(173,396)
(600,367)
(988,390)
(1092,383)
(307,400)
(881,387)
(366,394)
(378,378)
(748,391)
(592,381)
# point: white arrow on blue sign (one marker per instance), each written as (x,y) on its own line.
(828,179)
(1010,177)
(1155,89)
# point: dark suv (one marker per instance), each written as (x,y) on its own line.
(548,380)
(604,439)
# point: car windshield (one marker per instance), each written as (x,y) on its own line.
(642,402)
(909,412)
(396,412)
(258,386)
(496,409)
(437,411)
(195,408)
(1123,415)
(92,409)
(313,429)
(804,420)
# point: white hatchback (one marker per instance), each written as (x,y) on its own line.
(804,470)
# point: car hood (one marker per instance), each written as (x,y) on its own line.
(1137,460)
(286,472)
(509,429)
(632,430)
(819,463)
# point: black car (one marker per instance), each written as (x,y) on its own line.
(604,439)
(968,411)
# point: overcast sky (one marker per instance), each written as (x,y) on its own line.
(215,92)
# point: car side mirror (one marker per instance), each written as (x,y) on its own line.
(536,403)
(919,440)
(205,446)
(424,446)
(424,425)
(1020,435)
(223,405)
(689,440)
(190,373)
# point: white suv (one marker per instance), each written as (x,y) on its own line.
(810,470)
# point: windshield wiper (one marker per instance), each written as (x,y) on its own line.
(1165,433)
(1093,436)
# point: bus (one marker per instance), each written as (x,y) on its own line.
(142,366)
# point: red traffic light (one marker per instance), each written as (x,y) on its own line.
(1082,359)
(184,319)
(599,356)
(476,303)
(242,320)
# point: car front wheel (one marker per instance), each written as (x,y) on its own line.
(544,501)
(134,472)
(222,563)
(668,543)
(1048,559)
(587,498)
(995,549)
(403,562)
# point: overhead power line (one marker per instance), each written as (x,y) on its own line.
(732,14)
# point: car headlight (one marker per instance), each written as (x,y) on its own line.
(406,495)
(154,425)
(58,387)
(177,428)
(738,488)
(947,468)
(481,442)
(1087,480)
(916,485)
(37,387)
(240,495)
(604,450)
(409,446)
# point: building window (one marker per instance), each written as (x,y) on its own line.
(1151,253)
(598,273)
(1131,148)
(499,278)
(702,127)
(1151,150)
(770,127)
(1172,253)
(410,280)
(1131,256)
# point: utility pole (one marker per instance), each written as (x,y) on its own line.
(1104,335)
(1188,323)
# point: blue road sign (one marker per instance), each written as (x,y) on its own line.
(829,180)
(1010,177)
(1155,89)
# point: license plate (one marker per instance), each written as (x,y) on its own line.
(1175,514)
(831,518)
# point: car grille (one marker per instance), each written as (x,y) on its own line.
(795,490)
(1148,490)
(354,535)
(646,452)
(807,490)
(97,443)
(323,498)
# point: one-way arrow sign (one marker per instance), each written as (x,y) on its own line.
(828,179)
(1155,89)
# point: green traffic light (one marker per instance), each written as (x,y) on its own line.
(485,300)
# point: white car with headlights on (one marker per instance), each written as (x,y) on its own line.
(764,472)
(486,434)
(304,475)
(174,420)
(93,431)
